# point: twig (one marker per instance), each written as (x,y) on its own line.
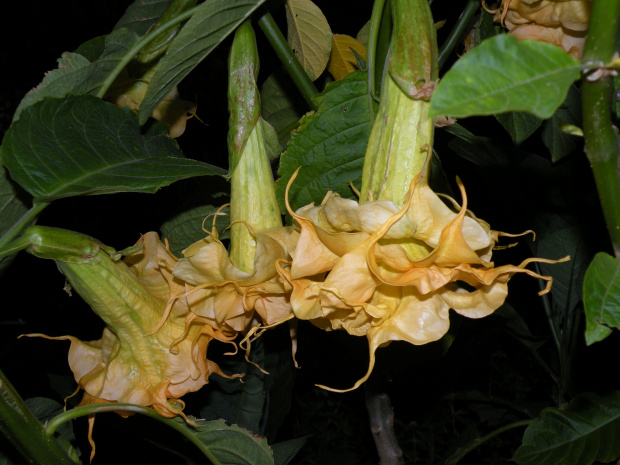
(381,415)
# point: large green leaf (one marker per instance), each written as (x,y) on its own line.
(85,146)
(229,444)
(141,15)
(503,74)
(601,297)
(208,27)
(14,202)
(77,75)
(329,145)
(582,432)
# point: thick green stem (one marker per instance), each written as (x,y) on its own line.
(456,34)
(288,58)
(402,134)
(26,219)
(25,432)
(601,137)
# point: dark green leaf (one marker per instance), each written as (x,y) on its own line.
(601,297)
(229,444)
(186,228)
(14,202)
(582,432)
(519,125)
(329,145)
(209,26)
(45,409)
(280,105)
(558,142)
(284,452)
(503,74)
(77,75)
(141,15)
(239,401)
(84,146)
(485,28)
(517,327)
(567,276)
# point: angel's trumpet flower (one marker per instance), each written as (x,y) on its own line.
(390,268)
(130,363)
(241,289)
(560,22)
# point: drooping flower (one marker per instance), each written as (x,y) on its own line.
(130,363)
(239,290)
(230,299)
(560,22)
(393,274)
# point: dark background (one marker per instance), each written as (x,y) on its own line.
(432,395)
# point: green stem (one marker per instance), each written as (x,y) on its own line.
(24,221)
(602,143)
(288,58)
(122,64)
(182,428)
(25,432)
(454,38)
(478,442)
(371,54)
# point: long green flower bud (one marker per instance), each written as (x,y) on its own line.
(253,198)
(402,134)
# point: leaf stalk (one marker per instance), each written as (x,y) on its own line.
(277,40)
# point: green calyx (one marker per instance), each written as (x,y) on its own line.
(253,201)
(402,135)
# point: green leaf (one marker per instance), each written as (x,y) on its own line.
(519,125)
(229,444)
(309,36)
(45,409)
(557,141)
(568,276)
(503,74)
(239,401)
(14,202)
(285,451)
(77,75)
(281,104)
(582,432)
(141,15)
(85,146)
(208,27)
(329,145)
(601,297)
(185,228)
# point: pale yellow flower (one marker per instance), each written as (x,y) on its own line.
(391,273)
(560,22)
(130,363)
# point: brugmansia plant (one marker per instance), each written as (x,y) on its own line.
(368,230)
